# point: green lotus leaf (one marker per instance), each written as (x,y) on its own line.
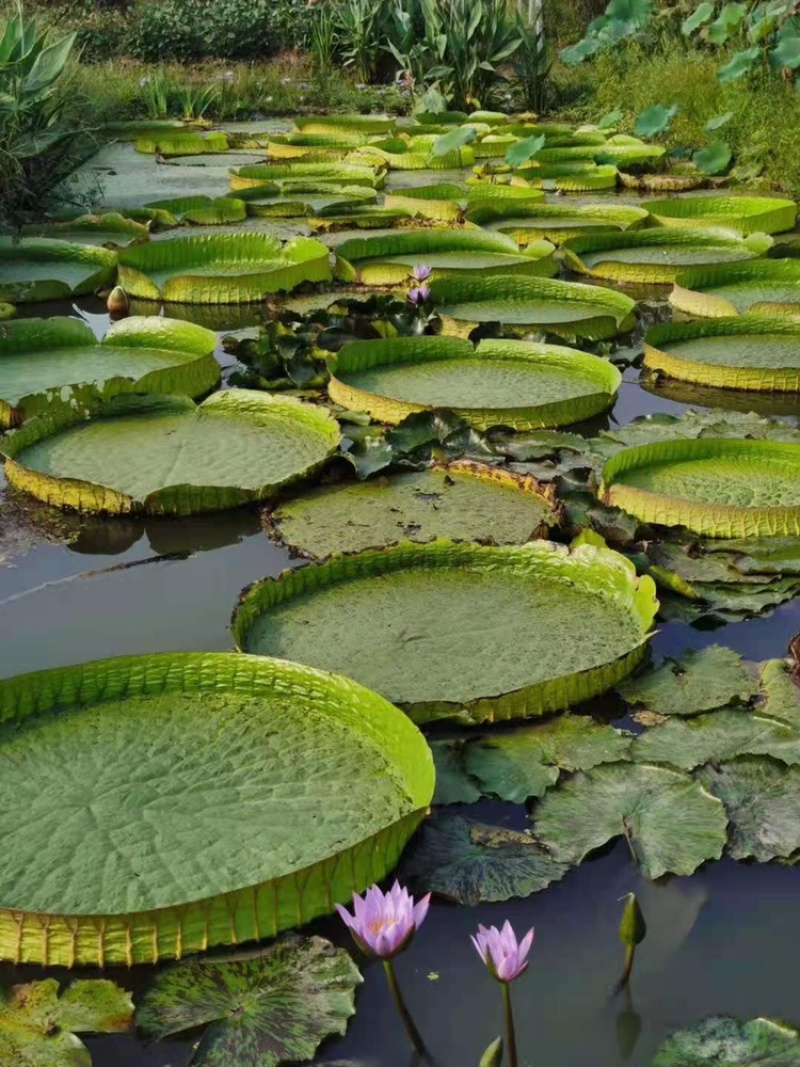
(110,229)
(717,736)
(671,824)
(365,124)
(203,210)
(657,256)
(260,1011)
(526,222)
(519,384)
(389,259)
(746,214)
(42,268)
(527,762)
(183,144)
(753,352)
(443,201)
(655,120)
(232,268)
(475,863)
(464,501)
(38,1025)
(165,455)
(762,800)
(717,487)
(520,305)
(703,680)
(292,204)
(341,173)
(715,158)
(309,792)
(46,362)
(735,288)
(400,618)
(724,1042)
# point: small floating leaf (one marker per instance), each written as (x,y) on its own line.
(698,681)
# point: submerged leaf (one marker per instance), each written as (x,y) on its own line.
(263,1010)
(699,681)
(724,1042)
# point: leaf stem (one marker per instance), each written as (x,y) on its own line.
(409,1025)
(511,1037)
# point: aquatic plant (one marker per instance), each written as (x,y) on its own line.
(505,959)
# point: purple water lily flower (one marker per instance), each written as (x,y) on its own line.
(422,273)
(419,294)
(384,923)
(503,955)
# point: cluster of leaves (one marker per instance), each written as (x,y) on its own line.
(623,20)
(769,32)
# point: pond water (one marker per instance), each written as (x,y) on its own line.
(723,941)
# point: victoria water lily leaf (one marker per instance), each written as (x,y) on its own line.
(309,792)
(292,204)
(762,800)
(658,255)
(520,305)
(556,625)
(699,681)
(203,210)
(572,177)
(500,383)
(442,201)
(165,455)
(525,763)
(109,229)
(724,1042)
(260,1010)
(735,288)
(338,124)
(46,362)
(717,487)
(475,863)
(526,222)
(753,352)
(716,736)
(341,173)
(672,825)
(747,214)
(224,269)
(465,501)
(181,143)
(38,1023)
(453,785)
(43,268)
(390,259)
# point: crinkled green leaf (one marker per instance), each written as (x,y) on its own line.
(699,681)
(714,158)
(699,17)
(716,736)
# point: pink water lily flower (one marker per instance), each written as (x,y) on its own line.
(384,923)
(422,273)
(503,955)
(419,294)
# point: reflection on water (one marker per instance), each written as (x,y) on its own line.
(776,405)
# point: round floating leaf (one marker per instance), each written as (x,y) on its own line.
(42,268)
(443,201)
(754,352)
(165,455)
(203,210)
(672,825)
(260,1011)
(521,305)
(525,763)
(183,144)
(390,259)
(464,501)
(699,681)
(716,736)
(656,256)
(48,362)
(556,625)
(110,229)
(717,487)
(741,63)
(221,269)
(474,863)
(745,214)
(702,14)
(523,151)
(309,791)
(340,173)
(337,124)
(654,120)
(723,1042)
(452,141)
(498,383)
(571,177)
(715,158)
(293,204)
(525,222)
(786,53)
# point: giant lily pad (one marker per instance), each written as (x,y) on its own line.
(59,360)
(202,210)
(444,201)
(43,268)
(224,269)
(700,681)
(657,256)
(341,173)
(464,501)
(755,352)
(112,230)
(390,259)
(475,863)
(572,177)
(292,204)
(733,289)
(555,625)
(38,1025)
(522,305)
(723,1042)
(746,214)
(527,222)
(498,383)
(719,487)
(165,455)
(670,822)
(133,838)
(336,124)
(260,1011)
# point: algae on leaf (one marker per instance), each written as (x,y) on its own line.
(699,681)
(724,1042)
(259,1010)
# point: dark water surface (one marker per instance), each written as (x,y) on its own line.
(724,941)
